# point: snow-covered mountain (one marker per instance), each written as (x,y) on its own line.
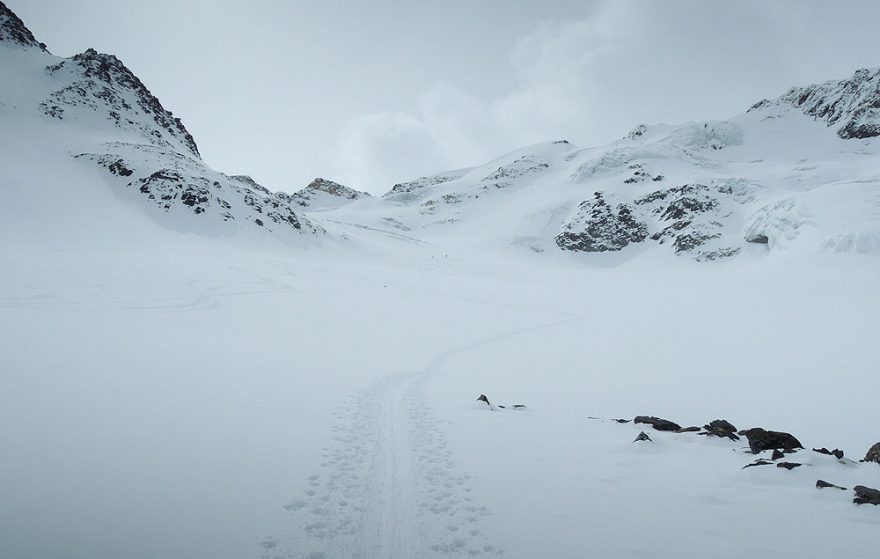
(794,173)
(92,110)
(799,172)
(176,383)
(323,194)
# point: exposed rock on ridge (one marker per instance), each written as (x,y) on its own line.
(102,83)
(852,105)
(323,193)
(14,31)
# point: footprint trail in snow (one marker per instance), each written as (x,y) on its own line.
(388,487)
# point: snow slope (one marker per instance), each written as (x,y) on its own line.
(173,384)
(90,113)
(778,177)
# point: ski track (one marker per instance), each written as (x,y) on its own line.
(389,486)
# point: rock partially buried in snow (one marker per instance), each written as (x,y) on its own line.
(484,398)
(761,440)
(873,454)
(822,484)
(837,453)
(693,429)
(788,465)
(777,454)
(721,428)
(760,462)
(657,423)
(643,437)
(866,495)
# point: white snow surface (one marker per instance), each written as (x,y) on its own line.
(171,398)
(175,386)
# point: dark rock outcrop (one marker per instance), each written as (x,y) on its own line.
(597,226)
(692,429)
(189,185)
(851,105)
(760,462)
(866,495)
(14,31)
(678,210)
(873,454)
(788,465)
(777,455)
(761,440)
(103,84)
(657,423)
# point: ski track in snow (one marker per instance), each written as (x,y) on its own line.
(389,486)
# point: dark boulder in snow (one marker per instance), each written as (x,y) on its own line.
(657,423)
(822,484)
(873,454)
(866,495)
(721,428)
(788,465)
(777,454)
(761,440)
(760,462)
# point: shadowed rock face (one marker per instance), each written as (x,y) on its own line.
(599,227)
(686,217)
(14,31)
(852,105)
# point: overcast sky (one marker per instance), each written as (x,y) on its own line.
(373,93)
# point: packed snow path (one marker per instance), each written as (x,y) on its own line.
(389,486)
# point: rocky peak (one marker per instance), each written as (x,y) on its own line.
(335,189)
(14,31)
(851,105)
(103,83)
(325,194)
